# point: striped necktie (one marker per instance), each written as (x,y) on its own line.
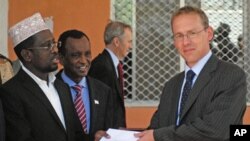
(79,106)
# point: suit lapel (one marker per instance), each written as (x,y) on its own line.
(203,78)
(64,99)
(110,63)
(92,96)
(174,98)
(37,92)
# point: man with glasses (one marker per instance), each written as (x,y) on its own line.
(200,103)
(37,106)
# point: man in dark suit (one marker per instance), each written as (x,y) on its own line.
(200,103)
(75,56)
(118,41)
(37,106)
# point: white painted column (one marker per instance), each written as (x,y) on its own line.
(4,27)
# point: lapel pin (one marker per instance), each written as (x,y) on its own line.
(96,101)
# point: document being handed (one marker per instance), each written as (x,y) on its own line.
(120,135)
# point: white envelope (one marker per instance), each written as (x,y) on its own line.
(120,135)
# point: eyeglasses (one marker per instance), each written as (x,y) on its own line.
(49,47)
(189,35)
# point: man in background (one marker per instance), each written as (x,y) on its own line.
(226,49)
(6,69)
(107,66)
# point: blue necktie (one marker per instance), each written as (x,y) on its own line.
(187,88)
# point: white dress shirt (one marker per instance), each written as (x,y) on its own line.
(50,91)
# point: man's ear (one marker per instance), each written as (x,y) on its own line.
(116,41)
(61,59)
(26,54)
(210,33)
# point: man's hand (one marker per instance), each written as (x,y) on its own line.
(99,134)
(145,135)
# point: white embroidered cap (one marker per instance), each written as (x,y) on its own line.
(26,28)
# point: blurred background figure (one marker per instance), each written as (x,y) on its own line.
(241,50)
(225,49)
(16,65)
(6,70)
(240,41)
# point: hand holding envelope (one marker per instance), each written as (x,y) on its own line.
(120,135)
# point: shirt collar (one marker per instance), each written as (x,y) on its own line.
(51,76)
(113,56)
(71,83)
(200,64)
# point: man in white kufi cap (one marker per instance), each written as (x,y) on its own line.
(37,106)
(26,28)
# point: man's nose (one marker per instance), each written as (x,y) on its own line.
(54,49)
(186,39)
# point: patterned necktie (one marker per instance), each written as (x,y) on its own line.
(79,106)
(187,88)
(121,81)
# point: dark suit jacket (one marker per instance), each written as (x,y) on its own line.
(101,106)
(103,69)
(2,124)
(217,100)
(30,116)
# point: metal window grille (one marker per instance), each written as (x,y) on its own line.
(154,60)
